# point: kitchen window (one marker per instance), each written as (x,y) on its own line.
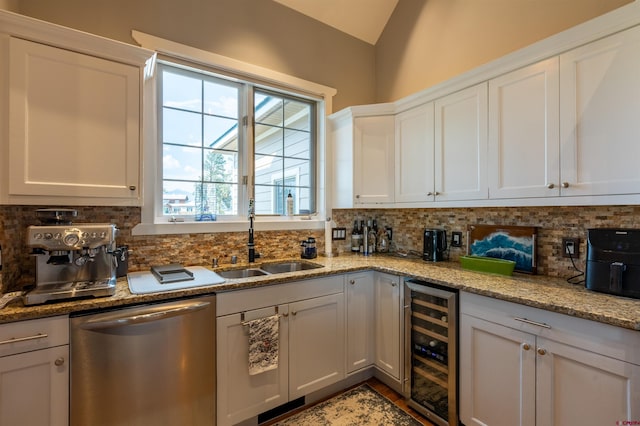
(218,132)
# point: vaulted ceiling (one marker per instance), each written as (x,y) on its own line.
(363,19)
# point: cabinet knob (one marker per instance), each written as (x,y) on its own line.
(565,184)
(294,313)
(526,346)
(551,185)
(357,196)
(132,187)
(429,193)
(59,361)
(436,193)
(285,314)
(542,351)
(352,282)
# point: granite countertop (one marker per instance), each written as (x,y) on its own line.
(549,293)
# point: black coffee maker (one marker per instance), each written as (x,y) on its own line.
(435,244)
(613,261)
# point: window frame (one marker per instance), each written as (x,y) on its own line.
(266,79)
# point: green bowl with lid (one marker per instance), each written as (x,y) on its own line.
(488,264)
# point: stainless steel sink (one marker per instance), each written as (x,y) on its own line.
(268,269)
(242,273)
(281,267)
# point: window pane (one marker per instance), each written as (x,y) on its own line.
(305,201)
(297,115)
(180,91)
(297,144)
(220,100)
(267,169)
(270,110)
(268,140)
(181,127)
(221,133)
(181,162)
(178,198)
(298,169)
(218,198)
(220,166)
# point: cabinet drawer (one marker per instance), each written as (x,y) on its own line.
(26,336)
(254,298)
(611,341)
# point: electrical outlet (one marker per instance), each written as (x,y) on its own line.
(571,247)
(456,239)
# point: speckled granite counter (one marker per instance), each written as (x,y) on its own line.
(543,292)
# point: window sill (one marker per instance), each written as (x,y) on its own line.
(260,224)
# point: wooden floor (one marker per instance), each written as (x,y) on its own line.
(381,388)
(397,399)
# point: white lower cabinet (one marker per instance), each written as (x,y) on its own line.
(524,366)
(388,323)
(34,373)
(360,320)
(311,345)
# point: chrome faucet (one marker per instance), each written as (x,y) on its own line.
(250,245)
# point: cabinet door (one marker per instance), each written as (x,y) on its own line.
(316,344)
(524,148)
(461,145)
(414,152)
(73,125)
(579,387)
(360,326)
(373,159)
(599,110)
(34,388)
(388,324)
(497,374)
(239,395)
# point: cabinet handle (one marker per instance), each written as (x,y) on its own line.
(393,284)
(294,313)
(352,282)
(285,314)
(526,346)
(542,351)
(132,187)
(58,362)
(528,321)
(551,185)
(429,193)
(565,184)
(436,193)
(24,339)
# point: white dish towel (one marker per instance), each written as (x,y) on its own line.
(263,344)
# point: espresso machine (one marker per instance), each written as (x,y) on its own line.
(72,261)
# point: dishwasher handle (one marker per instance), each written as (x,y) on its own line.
(143,316)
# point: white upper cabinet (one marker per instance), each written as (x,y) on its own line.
(414,155)
(600,110)
(524,152)
(461,145)
(363,157)
(73,116)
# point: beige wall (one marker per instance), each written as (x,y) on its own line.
(11,5)
(261,32)
(429,41)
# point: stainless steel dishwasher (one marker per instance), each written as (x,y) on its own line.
(146,365)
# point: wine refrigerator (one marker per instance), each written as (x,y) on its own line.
(431,352)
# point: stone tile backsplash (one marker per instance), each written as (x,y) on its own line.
(553,224)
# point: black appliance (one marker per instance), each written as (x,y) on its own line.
(613,261)
(431,339)
(435,244)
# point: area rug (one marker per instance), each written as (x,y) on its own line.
(358,406)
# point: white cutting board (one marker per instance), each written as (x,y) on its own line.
(146,282)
